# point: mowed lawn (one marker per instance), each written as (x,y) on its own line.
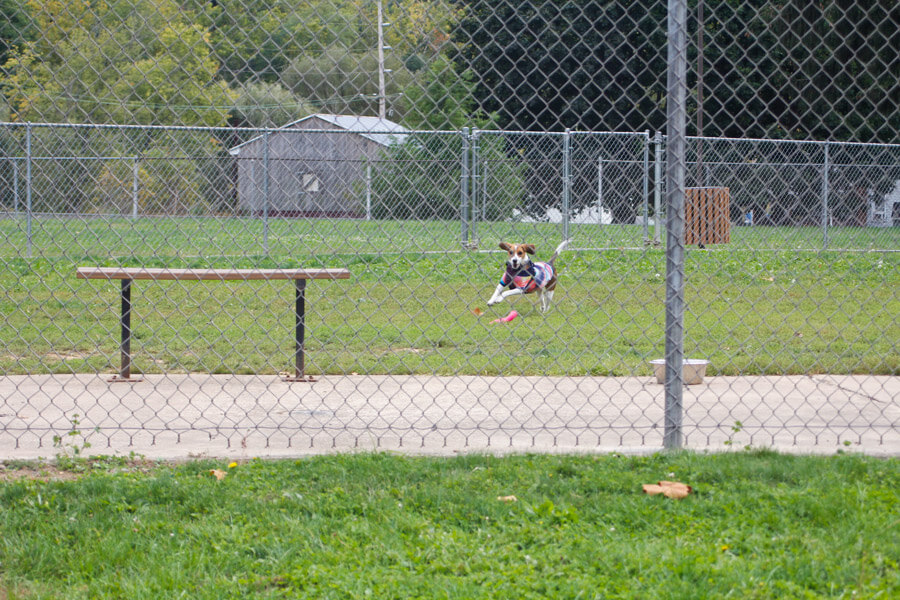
(413,303)
(757,525)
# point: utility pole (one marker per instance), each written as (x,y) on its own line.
(382,95)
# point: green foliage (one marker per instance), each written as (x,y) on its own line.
(758,525)
(268,105)
(71,446)
(15,27)
(440,98)
(798,70)
(342,82)
(130,61)
(420,179)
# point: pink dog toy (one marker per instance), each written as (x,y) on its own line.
(512,315)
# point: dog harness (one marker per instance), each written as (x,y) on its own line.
(528,280)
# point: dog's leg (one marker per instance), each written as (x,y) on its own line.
(508,293)
(546,300)
(497,297)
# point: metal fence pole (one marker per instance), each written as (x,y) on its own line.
(473,198)
(646,188)
(567,182)
(368,192)
(464,187)
(657,187)
(600,189)
(15,178)
(675,165)
(28,182)
(266,192)
(825,192)
(134,189)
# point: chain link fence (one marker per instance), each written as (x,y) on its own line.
(401,141)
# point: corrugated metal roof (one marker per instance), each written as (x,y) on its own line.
(381,131)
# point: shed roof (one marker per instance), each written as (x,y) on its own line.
(381,131)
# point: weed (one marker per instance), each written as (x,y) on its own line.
(70,447)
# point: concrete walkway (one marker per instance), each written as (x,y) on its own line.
(182,416)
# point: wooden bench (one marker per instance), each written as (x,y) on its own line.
(129,274)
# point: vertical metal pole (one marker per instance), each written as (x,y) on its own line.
(700,29)
(657,188)
(484,190)
(646,184)
(15,168)
(300,332)
(125,371)
(675,167)
(567,182)
(266,192)
(28,211)
(600,189)
(368,192)
(134,190)
(464,188)
(473,199)
(825,191)
(382,95)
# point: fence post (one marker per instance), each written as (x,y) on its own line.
(266,192)
(484,190)
(657,187)
(646,184)
(567,182)
(134,189)
(825,192)
(473,190)
(15,178)
(368,192)
(28,206)
(675,167)
(464,188)
(600,189)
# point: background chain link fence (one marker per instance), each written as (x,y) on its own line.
(402,141)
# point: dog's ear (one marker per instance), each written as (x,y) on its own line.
(505,246)
(529,248)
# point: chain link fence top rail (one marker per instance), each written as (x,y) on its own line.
(402,141)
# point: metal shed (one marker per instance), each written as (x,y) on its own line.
(315,166)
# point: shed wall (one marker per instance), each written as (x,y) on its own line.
(309,172)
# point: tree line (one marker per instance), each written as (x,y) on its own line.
(770,68)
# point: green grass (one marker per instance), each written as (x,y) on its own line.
(408,307)
(758,525)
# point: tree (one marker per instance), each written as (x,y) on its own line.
(788,69)
(543,65)
(807,70)
(268,105)
(15,27)
(127,61)
(420,179)
(439,98)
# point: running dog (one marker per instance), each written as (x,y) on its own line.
(525,276)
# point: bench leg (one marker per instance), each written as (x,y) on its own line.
(125,371)
(300,334)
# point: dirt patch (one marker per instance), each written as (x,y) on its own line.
(74,355)
(49,471)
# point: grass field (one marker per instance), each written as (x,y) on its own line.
(409,307)
(758,525)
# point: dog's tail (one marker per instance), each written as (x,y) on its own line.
(560,248)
